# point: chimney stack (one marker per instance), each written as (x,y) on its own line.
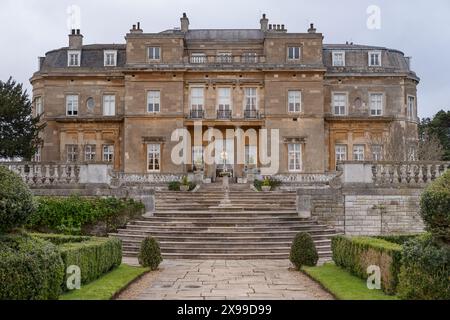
(184,23)
(311,28)
(264,23)
(136,28)
(75,39)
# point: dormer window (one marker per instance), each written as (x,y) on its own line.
(73,58)
(374,58)
(338,59)
(110,58)
(154,53)
(294,53)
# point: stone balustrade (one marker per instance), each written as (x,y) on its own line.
(122,178)
(392,173)
(305,178)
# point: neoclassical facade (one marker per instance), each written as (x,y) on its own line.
(121,103)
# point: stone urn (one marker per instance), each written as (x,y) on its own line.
(184,188)
(266,188)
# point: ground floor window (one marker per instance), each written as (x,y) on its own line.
(377,152)
(197,156)
(108,153)
(340,152)
(89,152)
(72,153)
(37,155)
(358,152)
(294,157)
(250,155)
(153,157)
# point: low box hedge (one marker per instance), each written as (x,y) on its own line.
(355,254)
(399,238)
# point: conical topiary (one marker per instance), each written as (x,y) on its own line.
(303,251)
(150,253)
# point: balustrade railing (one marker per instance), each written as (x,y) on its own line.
(34,173)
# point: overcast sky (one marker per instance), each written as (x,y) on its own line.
(420,29)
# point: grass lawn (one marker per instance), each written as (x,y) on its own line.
(108,285)
(343,285)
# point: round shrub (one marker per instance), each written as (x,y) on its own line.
(150,253)
(303,251)
(16,201)
(30,268)
(435,208)
(425,271)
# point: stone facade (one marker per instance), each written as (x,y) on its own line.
(264,73)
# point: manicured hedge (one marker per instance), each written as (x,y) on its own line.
(30,268)
(399,238)
(16,201)
(76,215)
(357,253)
(94,256)
(435,208)
(425,271)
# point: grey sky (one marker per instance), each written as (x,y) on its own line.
(420,29)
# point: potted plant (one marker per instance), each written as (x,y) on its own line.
(266,185)
(184,186)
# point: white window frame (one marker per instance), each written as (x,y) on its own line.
(107,61)
(335,60)
(70,61)
(335,102)
(108,153)
(377,156)
(197,153)
(295,150)
(154,50)
(377,53)
(250,98)
(38,106)
(155,150)
(340,153)
(294,99)
(251,153)
(154,99)
(109,104)
(224,102)
(197,98)
(378,110)
(72,152)
(296,51)
(358,152)
(411,108)
(90,152)
(72,105)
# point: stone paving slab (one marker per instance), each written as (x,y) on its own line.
(224,280)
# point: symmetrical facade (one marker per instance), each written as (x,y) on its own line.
(122,103)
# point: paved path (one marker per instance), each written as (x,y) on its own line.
(224,279)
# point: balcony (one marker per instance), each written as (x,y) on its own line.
(197,114)
(198,59)
(223,114)
(251,114)
(225,59)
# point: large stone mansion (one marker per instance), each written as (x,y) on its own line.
(120,103)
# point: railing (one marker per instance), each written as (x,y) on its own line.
(223,114)
(121,178)
(34,173)
(226,59)
(302,178)
(197,114)
(198,59)
(392,173)
(250,114)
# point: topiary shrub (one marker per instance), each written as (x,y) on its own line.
(30,268)
(435,208)
(150,253)
(16,201)
(303,251)
(425,270)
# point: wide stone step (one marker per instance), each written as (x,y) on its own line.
(215,213)
(205,224)
(224,229)
(215,244)
(264,219)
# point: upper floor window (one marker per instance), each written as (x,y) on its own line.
(294,157)
(376,104)
(108,153)
(72,153)
(197,99)
(250,57)
(338,59)
(198,58)
(294,100)
(72,105)
(224,57)
(411,108)
(377,152)
(250,98)
(339,104)
(358,152)
(224,99)
(89,152)
(154,53)
(294,53)
(374,58)
(110,58)
(153,101)
(73,58)
(109,105)
(39,108)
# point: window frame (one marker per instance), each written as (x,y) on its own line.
(355,146)
(73,109)
(372,151)
(333,106)
(381,94)
(297,161)
(295,101)
(230,101)
(155,151)
(108,153)
(154,102)
(345,153)
(38,106)
(113,113)
(251,150)
(379,54)
(153,49)
(192,99)
(105,58)
(251,97)
(411,113)
(92,153)
(73,155)
(294,47)
(333,59)
(69,58)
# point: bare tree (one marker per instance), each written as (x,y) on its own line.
(430,147)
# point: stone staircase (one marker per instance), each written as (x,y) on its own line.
(193,225)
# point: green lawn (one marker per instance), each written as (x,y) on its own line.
(343,285)
(108,285)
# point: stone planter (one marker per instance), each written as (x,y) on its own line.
(184,188)
(266,188)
